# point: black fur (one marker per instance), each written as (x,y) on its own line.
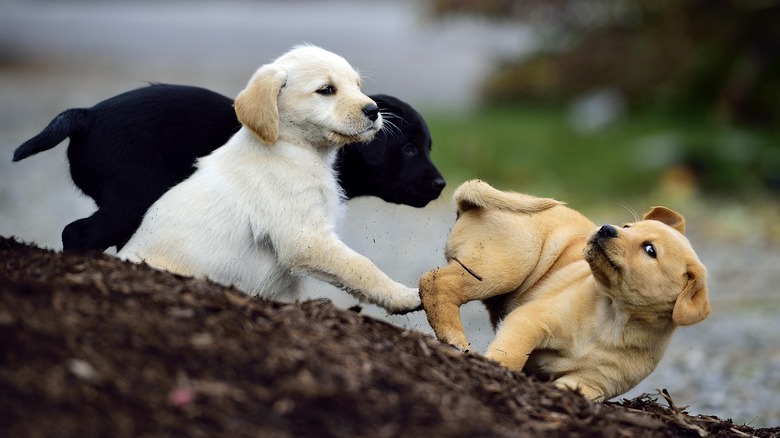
(128,150)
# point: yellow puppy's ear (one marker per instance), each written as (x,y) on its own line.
(693,304)
(256,106)
(668,217)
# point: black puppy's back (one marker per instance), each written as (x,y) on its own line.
(128,150)
(157,131)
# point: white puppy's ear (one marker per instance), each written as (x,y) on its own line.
(693,304)
(668,217)
(256,106)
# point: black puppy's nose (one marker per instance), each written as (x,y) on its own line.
(607,231)
(371,111)
(439,183)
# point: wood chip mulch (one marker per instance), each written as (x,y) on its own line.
(93,346)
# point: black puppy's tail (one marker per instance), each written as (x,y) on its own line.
(68,123)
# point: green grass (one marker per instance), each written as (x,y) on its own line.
(640,158)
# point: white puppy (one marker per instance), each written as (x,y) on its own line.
(260,211)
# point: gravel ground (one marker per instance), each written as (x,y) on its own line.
(53,58)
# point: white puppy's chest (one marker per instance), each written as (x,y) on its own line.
(232,217)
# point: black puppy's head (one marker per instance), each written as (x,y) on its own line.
(396,165)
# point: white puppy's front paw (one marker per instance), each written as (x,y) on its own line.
(404,300)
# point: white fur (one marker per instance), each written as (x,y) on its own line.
(260,211)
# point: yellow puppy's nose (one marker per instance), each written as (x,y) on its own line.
(607,232)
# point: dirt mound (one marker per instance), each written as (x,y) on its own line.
(92,346)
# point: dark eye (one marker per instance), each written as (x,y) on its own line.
(409,150)
(327,90)
(649,249)
(627,226)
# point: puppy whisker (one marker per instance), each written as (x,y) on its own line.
(366,75)
(630,210)
(388,126)
(389,114)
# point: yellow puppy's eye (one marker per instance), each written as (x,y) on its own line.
(649,249)
(327,90)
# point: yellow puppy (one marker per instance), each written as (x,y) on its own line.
(598,323)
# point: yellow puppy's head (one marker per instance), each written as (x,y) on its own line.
(651,267)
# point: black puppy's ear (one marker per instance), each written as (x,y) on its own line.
(256,106)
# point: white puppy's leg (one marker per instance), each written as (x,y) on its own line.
(329,259)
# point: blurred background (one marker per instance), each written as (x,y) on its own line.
(610,105)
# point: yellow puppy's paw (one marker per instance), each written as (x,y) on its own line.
(462,349)
(456,340)
(457,350)
(577,385)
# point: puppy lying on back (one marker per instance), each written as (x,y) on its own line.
(598,323)
(128,150)
(260,211)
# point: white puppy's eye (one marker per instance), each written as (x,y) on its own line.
(327,90)
(627,226)
(649,249)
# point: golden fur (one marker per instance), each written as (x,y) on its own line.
(598,323)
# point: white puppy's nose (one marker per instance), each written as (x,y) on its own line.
(371,111)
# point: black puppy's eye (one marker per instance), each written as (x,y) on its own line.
(327,90)
(649,249)
(409,150)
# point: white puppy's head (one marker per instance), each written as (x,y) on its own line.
(308,93)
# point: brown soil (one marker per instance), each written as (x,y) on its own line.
(92,346)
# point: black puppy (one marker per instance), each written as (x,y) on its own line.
(126,151)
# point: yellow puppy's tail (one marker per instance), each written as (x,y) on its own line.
(479,194)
